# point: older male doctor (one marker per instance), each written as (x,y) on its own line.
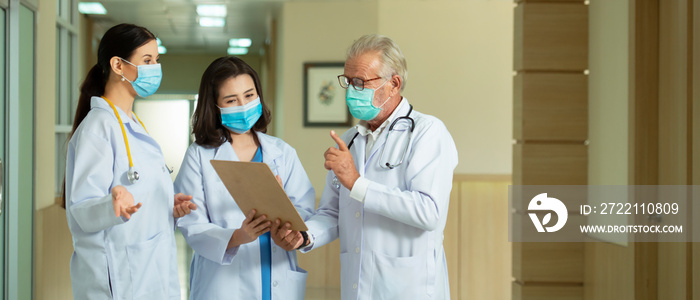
(387,192)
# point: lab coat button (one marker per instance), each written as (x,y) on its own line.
(357,250)
(357,215)
(274,284)
(354,286)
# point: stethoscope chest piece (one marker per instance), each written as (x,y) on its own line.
(132,175)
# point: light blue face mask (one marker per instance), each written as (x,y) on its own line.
(148,79)
(360,102)
(240,119)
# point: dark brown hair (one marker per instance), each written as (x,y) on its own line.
(206,122)
(121,40)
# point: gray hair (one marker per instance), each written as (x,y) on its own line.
(392,59)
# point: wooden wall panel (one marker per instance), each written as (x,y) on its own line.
(550,164)
(674,271)
(609,271)
(674,134)
(551,1)
(551,37)
(695,247)
(696,271)
(485,253)
(643,137)
(53,250)
(452,241)
(546,292)
(550,125)
(548,262)
(543,99)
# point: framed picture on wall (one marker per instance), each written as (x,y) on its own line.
(324,99)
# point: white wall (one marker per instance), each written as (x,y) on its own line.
(182,73)
(45,107)
(167,122)
(460,62)
(313,32)
(459,56)
(608,84)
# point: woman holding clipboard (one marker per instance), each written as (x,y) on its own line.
(234,255)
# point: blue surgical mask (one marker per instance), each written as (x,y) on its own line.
(148,79)
(240,119)
(360,103)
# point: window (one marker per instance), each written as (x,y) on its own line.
(67,84)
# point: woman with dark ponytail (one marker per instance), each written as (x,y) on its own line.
(119,197)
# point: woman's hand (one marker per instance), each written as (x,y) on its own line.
(183,206)
(250,230)
(123,202)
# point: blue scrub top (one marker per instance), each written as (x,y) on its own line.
(265,255)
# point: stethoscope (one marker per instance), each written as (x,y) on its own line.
(387,164)
(132,175)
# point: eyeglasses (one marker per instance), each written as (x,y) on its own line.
(357,83)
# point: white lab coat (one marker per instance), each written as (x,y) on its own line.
(134,258)
(391,245)
(217,273)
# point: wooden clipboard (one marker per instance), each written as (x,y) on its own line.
(253,186)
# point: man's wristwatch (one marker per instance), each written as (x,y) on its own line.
(306,239)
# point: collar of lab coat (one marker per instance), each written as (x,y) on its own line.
(135,126)
(271,150)
(400,111)
(363,126)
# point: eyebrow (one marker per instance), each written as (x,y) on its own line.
(230,96)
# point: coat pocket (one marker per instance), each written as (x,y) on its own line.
(296,284)
(148,266)
(399,277)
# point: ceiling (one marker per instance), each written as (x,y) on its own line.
(175,22)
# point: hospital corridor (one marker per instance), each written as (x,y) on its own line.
(432,149)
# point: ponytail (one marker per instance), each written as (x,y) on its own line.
(94,85)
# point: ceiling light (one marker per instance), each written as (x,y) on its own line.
(211,10)
(159,41)
(240,42)
(211,22)
(237,51)
(162,50)
(91,8)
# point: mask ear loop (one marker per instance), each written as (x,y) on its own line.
(122,74)
(387,99)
